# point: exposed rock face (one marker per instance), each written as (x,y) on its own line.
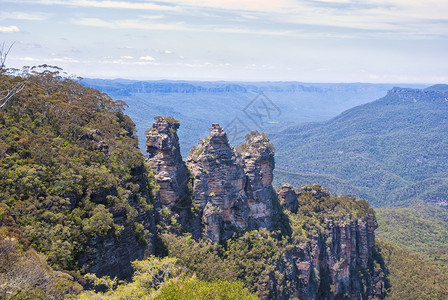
(219,182)
(288,197)
(112,255)
(233,190)
(171,174)
(314,190)
(338,265)
(258,162)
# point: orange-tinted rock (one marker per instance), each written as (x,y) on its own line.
(165,160)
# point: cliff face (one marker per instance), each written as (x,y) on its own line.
(288,197)
(112,254)
(219,183)
(258,163)
(165,160)
(337,265)
(233,192)
(340,262)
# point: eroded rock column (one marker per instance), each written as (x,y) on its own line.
(219,182)
(165,160)
(258,161)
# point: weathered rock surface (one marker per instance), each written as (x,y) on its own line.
(219,182)
(288,197)
(165,160)
(112,254)
(337,266)
(258,162)
(234,193)
(336,263)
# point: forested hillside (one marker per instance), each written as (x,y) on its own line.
(387,151)
(73,184)
(81,208)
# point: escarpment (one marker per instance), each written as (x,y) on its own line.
(330,241)
(165,160)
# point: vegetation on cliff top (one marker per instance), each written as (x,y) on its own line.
(70,170)
(68,157)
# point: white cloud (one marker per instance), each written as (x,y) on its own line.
(126,57)
(95,22)
(168,52)
(27,58)
(100,4)
(9,29)
(149,58)
(18,15)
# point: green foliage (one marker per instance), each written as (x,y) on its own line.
(162,278)
(68,157)
(100,222)
(194,289)
(422,227)
(410,276)
(389,150)
(255,257)
(141,233)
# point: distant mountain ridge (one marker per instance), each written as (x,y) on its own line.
(389,150)
(197,104)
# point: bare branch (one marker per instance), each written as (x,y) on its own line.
(6,95)
(4,54)
(11,93)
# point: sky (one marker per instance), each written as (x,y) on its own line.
(378,41)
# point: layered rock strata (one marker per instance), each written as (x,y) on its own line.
(257,155)
(337,263)
(232,190)
(219,183)
(165,160)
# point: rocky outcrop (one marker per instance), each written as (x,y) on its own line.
(112,254)
(232,189)
(340,261)
(219,183)
(338,264)
(257,155)
(165,160)
(314,190)
(288,197)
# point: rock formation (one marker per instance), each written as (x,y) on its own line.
(314,190)
(219,183)
(337,263)
(288,197)
(165,160)
(233,192)
(258,162)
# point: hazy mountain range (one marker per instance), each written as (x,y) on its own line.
(386,151)
(198,104)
